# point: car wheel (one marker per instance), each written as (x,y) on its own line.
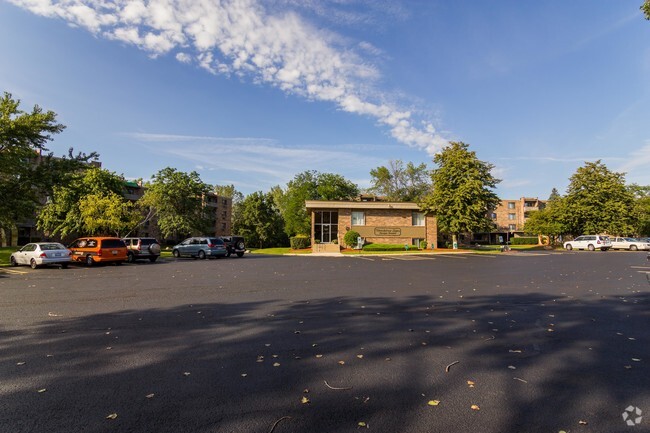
(130,257)
(228,253)
(153,259)
(591,247)
(64,266)
(176,253)
(13,261)
(202,255)
(633,248)
(569,247)
(604,249)
(89,260)
(240,254)
(33,264)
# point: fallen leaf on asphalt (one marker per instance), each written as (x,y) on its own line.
(319,356)
(21,363)
(581,422)
(514,351)
(244,375)
(636,360)
(149,395)
(53,314)
(276,364)
(433,402)
(112,416)
(470,383)
(42,390)
(186,373)
(341,362)
(304,400)
(362,424)
(475,407)
(360,356)
(512,367)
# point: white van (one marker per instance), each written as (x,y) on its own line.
(589,242)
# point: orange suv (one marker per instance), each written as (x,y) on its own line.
(93,250)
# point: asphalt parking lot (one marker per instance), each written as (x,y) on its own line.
(512,342)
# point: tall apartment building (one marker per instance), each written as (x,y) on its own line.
(509,219)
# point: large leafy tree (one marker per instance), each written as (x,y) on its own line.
(597,201)
(642,208)
(547,221)
(645,7)
(309,185)
(462,191)
(175,198)
(400,183)
(91,203)
(28,172)
(259,221)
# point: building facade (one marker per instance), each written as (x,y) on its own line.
(400,223)
(509,219)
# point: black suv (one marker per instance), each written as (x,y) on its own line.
(142,248)
(234,245)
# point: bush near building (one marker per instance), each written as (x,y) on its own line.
(524,240)
(299,242)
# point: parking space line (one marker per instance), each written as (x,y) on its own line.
(14,271)
(451,256)
(640,267)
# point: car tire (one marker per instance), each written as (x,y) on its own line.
(240,254)
(240,245)
(13,261)
(202,255)
(633,248)
(64,266)
(130,257)
(33,264)
(153,259)
(176,253)
(89,260)
(590,247)
(228,253)
(604,249)
(569,247)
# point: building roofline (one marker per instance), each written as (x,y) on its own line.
(342,204)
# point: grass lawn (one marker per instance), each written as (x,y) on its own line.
(5,252)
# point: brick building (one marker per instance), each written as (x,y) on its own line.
(509,219)
(375,221)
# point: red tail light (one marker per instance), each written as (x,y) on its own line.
(43,255)
(598,241)
(99,253)
(139,246)
(210,245)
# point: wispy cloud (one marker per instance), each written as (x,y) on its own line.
(639,158)
(268,42)
(261,158)
(560,159)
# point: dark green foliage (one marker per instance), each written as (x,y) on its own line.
(259,221)
(350,238)
(299,242)
(423,245)
(387,247)
(462,191)
(524,241)
(645,7)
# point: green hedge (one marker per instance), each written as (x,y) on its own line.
(524,241)
(387,247)
(350,238)
(299,242)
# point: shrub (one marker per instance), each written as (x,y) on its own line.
(350,238)
(524,241)
(299,242)
(423,245)
(386,247)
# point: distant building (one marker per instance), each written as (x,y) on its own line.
(509,219)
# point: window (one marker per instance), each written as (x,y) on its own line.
(326,226)
(417,218)
(512,227)
(512,216)
(511,205)
(358,219)
(494,215)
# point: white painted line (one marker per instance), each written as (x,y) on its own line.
(14,271)
(451,256)
(640,267)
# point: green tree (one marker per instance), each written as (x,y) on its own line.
(28,172)
(555,195)
(597,201)
(462,191)
(642,208)
(399,183)
(259,221)
(546,222)
(645,7)
(175,198)
(76,208)
(309,185)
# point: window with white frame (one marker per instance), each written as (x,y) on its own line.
(512,227)
(417,218)
(358,218)
(512,216)
(511,205)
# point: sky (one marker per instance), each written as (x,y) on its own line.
(253,92)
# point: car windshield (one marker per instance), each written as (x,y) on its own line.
(148,241)
(216,241)
(630,240)
(53,246)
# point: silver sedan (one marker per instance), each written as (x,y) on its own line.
(41,253)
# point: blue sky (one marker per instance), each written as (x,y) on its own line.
(252,92)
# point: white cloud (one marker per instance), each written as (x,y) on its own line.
(259,40)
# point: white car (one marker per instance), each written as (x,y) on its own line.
(589,242)
(41,253)
(629,244)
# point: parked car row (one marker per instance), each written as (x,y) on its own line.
(97,249)
(603,243)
